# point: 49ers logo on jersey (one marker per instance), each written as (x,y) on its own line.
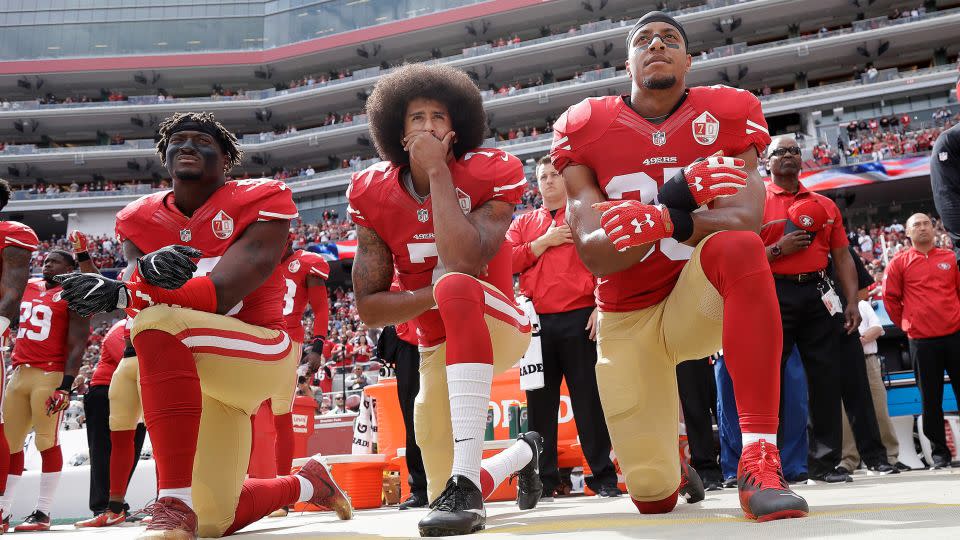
(294,266)
(222,225)
(706,129)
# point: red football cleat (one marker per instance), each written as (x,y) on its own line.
(37,521)
(106,519)
(171,519)
(764,493)
(326,492)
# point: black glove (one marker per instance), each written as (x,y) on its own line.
(88,294)
(169,267)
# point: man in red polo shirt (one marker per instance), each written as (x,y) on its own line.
(800,229)
(561,289)
(921,295)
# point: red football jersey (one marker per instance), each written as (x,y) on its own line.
(44,327)
(111,352)
(153,222)
(379,200)
(632,158)
(16,234)
(296,269)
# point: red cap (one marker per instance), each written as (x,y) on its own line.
(808,214)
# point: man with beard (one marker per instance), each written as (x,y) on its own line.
(435,213)
(672,237)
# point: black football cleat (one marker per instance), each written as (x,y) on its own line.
(529,486)
(691,486)
(457,511)
(764,492)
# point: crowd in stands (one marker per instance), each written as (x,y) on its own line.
(882,138)
(105,251)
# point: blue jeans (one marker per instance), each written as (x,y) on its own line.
(793,423)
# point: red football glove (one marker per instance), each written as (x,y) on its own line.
(631,223)
(58,401)
(79,241)
(704,181)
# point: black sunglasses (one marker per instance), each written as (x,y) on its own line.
(795,150)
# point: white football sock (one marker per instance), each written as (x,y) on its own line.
(184,494)
(469,388)
(306,489)
(6,500)
(48,488)
(511,460)
(750,438)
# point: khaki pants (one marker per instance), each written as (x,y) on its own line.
(637,378)
(431,409)
(235,380)
(851,458)
(24,408)
(124,393)
(281,401)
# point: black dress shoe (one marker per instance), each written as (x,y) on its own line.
(712,480)
(609,491)
(882,468)
(902,467)
(415,500)
(836,476)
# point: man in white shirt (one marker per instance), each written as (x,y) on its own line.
(870,330)
(866,243)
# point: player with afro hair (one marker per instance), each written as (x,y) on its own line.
(387,107)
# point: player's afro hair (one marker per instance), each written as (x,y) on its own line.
(5,193)
(387,107)
(228,141)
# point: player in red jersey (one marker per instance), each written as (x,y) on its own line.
(304,277)
(115,432)
(17,243)
(47,354)
(436,211)
(209,335)
(682,271)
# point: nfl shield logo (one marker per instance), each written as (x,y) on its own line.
(659,138)
(422,215)
(293,266)
(706,128)
(222,225)
(464,199)
(185,235)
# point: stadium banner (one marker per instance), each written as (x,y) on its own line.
(866,173)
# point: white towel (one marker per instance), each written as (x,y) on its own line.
(531,365)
